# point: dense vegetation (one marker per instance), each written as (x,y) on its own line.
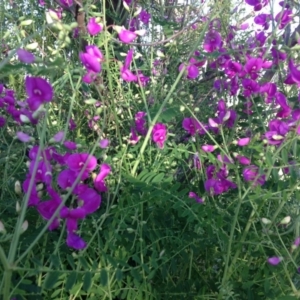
(149,149)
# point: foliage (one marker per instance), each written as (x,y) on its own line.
(163,155)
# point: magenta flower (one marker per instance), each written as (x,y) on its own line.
(77,161)
(191,70)
(209,148)
(126,74)
(25,56)
(243,142)
(159,134)
(145,17)
(93,27)
(92,58)
(39,91)
(212,41)
(142,79)
(251,173)
(99,182)
(253,66)
(243,160)
(89,77)
(91,63)
(196,197)
(232,68)
(126,36)
(275,260)
(91,199)
(67,3)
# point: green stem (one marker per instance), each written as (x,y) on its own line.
(173,87)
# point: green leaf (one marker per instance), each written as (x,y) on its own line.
(87,281)
(119,275)
(71,280)
(51,280)
(103,277)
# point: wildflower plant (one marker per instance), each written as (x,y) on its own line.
(152,154)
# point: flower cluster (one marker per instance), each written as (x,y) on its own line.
(78,168)
(39,92)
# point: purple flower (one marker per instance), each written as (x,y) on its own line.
(159,134)
(196,197)
(75,241)
(294,72)
(275,260)
(25,56)
(277,131)
(212,41)
(104,143)
(250,87)
(284,17)
(251,173)
(263,20)
(23,137)
(67,3)
(2,121)
(192,126)
(38,90)
(93,27)
(134,138)
(145,17)
(70,145)
(47,208)
(58,137)
(140,123)
(91,59)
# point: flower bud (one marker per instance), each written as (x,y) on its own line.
(138,11)
(18,188)
(18,207)
(24,226)
(39,186)
(266,221)
(2,228)
(285,220)
(126,6)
